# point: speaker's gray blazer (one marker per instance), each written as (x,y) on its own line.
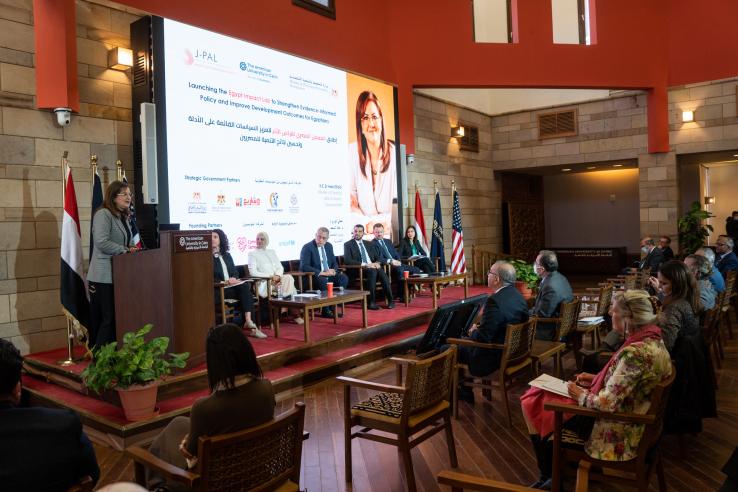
(109,237)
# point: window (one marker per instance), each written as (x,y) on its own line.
(492,21)
(571,21)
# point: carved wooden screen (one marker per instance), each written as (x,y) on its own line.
(526,229)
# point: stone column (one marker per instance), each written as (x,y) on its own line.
(659,195)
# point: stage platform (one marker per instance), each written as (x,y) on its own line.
(288,362)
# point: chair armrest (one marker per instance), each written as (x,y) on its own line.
(631,418)
(471,482)
(296,273)
(148,460)
(388,388)
(471,343)
(547,320)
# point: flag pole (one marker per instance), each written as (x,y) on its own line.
(435,186)
(70,334)
(119,166)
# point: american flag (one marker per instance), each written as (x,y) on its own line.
(134,226)
(458,260)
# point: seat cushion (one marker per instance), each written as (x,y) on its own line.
(288,486)
(387,407)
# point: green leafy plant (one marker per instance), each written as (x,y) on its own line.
(525,273)
(136,362)
(692,230)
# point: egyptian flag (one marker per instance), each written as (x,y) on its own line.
(73,285)
(420,222)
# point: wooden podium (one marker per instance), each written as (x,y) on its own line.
(170,287)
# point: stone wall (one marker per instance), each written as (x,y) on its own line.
(31,147)
(616,130)
(438,157)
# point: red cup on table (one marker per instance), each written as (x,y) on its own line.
(329,288)
(405,273)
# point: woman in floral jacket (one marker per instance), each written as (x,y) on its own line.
(623,385)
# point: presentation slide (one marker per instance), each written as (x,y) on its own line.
(259,140)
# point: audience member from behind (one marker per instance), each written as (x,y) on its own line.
(624,385)
(716,279)
(725,260)
(701,269)
(224,270)
(410,246)
(239,398)
(42,448)
(651,256)
(552,291)
(731,226)
(111,236)
(317,257)
(681,302)
(505,305)
(665,247)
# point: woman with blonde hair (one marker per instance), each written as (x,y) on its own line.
(264,262)
(623,385)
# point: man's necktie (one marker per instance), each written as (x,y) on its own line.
(364,254)
(323,259)
(386,251)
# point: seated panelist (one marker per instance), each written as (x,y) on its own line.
(317,257)
(224,270)
(356,251)
(389,255)
(410,246)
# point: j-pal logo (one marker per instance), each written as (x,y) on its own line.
(273,199)
(201,55)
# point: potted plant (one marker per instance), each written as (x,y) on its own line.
(692,230)
(527,280)
(134,371)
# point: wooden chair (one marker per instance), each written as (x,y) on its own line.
(293,268)
(566,329)
(636,471)
(265,457)
(710,328)
(422,403)
(601,303)
(225,309)
(516,359)
(463,481)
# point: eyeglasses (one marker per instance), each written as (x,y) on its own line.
(492,273)
(124,194)
(373,117)
(721,244)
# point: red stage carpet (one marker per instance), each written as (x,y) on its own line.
(291,338)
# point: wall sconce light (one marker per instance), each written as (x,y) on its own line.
(457,131)
(687,116)
(709,200)
(120,58)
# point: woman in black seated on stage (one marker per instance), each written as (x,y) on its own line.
(410,246)
(224,270)
(239,398)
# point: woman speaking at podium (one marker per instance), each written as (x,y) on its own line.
(111,235)
(224,270)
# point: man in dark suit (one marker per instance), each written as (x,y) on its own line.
(665,247)
(356,251)
(725,260)
(389,255)
(505,305)
(552,291)
(653,257)
(42,448)
(317,257)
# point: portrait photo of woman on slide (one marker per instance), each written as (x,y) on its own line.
(372,165)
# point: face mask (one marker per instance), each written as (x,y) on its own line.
(645,250)
(539,270)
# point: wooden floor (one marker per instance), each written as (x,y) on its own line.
(485,445)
